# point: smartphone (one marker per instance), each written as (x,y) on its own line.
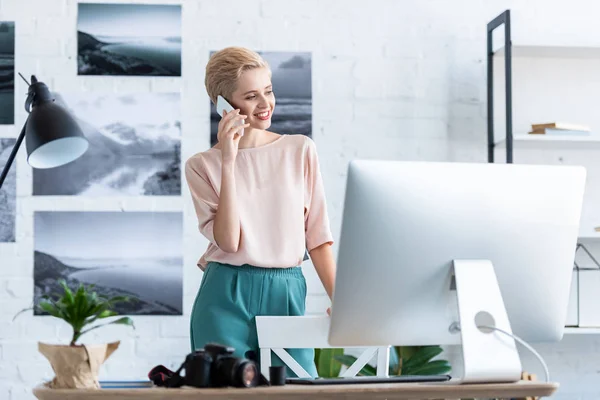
(223,104)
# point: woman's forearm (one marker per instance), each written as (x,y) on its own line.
(226,228)
(324,262)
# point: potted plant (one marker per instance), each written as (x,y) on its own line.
(77,365)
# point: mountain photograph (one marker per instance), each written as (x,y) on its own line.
(133,254)
(129,39)
(8,194)
(7,73)
(135,147)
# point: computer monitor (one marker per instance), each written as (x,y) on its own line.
(425,245)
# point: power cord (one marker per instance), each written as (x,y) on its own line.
(455,328)
(525,344)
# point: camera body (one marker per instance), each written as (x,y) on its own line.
(215,366)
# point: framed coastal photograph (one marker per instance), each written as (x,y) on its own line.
(135,147)
(8,194)
(292,86)
(7,73)
(134,254)
(128,39)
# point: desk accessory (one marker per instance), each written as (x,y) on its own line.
(76,366)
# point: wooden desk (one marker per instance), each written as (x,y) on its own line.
(390,391)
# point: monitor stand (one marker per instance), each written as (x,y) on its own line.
(488,356)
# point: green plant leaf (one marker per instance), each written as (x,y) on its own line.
(437,367)
(118,299)
(348,360)
(107,313)
(120,321)
(22,311)
(422,356)
(59,307)
(345,359)
(368,370)
(327,365)
(50,309)
(68,296)
(406,352)
(123,321)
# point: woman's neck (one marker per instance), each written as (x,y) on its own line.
(254,138)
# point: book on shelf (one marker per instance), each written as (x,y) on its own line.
(567,126)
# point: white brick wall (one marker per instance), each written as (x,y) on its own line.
(392,79)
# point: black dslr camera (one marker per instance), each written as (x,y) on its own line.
(212,366)
(215,366)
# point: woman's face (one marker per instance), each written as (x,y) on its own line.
(254,97)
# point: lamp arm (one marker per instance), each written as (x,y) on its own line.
(12,155)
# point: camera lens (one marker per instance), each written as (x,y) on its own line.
(238,372)
(249,374)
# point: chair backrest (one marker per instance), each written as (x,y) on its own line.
(275,334)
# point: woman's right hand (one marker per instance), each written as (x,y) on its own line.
(229,134)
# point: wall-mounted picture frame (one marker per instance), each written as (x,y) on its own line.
(134,254)
(135,147)
(129,39)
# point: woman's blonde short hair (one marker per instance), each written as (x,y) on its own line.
(226,66)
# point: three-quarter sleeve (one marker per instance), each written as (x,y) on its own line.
(316,219)
(204,197)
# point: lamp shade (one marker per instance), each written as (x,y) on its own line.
(52,135)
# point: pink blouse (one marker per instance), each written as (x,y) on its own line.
(280,198)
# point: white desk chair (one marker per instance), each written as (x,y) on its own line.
(278,333)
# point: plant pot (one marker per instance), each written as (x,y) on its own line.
(76,367)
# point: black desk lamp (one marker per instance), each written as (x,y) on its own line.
(53,136)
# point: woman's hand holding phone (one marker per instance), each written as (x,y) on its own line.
(229,134)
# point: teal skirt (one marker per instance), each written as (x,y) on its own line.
(229,299)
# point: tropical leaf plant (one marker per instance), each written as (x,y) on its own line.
(81,309)
(406,360)
(327,365)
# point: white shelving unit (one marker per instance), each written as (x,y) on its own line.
(552,84)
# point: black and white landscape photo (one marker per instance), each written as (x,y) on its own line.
(129,39)
(8,193)
(7,73)
(292,86)
(135,147)
(134,254)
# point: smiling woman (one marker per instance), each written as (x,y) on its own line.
(290,75)
(260,201)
